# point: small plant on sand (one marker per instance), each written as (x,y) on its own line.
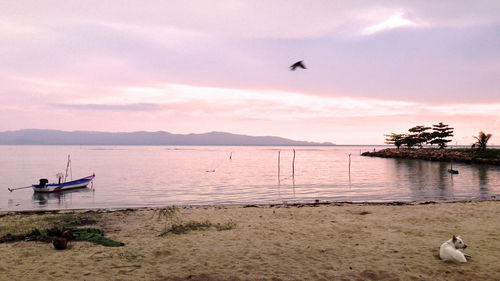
(170,214)
(181,228)
(175,225)
(225,226)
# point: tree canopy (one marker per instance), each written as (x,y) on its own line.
(482,140)
(420,135)
(395,139)
(440,133)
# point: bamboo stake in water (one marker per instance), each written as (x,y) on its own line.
(293,173)
(349,164)
(349,171)
(278,167)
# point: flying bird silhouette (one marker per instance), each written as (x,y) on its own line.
(297,64)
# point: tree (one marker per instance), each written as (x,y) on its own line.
(419,136)
(410,140)
(440,133)
(395,139)
(482,140)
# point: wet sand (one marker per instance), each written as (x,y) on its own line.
(324,242)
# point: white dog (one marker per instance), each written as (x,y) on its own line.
(449,250)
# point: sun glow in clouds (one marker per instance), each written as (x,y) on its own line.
(392,22)
(274,105)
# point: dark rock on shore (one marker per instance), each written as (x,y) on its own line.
(60,243)
(445,155)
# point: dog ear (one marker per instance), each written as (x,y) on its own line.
(454,238)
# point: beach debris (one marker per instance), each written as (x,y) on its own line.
(188,207)
(250,206)
(96,236)
(297,64)
(60,243)
(427,202)
(56,234)
(181,228)
(68,235)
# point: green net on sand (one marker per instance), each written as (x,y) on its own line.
(95,236)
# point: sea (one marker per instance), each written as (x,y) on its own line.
(147,176)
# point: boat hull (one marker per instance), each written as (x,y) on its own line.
(56,187)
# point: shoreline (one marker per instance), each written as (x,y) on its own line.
(263,205)
(329,241)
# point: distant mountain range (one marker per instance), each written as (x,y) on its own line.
(55,137)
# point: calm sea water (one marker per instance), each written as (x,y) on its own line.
(131,176)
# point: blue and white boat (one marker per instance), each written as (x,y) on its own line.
(44,186)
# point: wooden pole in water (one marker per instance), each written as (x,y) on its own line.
(279,167)
(293,173)
(349,164)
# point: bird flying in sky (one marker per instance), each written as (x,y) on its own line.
(298,64)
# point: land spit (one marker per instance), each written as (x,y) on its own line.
(447,155)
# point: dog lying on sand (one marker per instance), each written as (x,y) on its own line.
(449,250)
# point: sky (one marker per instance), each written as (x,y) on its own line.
(373,67)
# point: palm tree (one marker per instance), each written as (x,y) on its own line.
(482,140)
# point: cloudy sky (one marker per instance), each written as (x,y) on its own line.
(374,67)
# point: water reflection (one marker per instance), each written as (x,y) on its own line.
(60,198)
(482,176)
(431,180)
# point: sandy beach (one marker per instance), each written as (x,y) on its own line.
(339,241)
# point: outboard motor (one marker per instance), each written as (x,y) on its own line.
(43,182)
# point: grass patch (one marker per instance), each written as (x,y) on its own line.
(93,235)
(181,228)
(175,225)
(169,214)
(45,227)
(225,226)
(186,227)
(72,219)
(22,224)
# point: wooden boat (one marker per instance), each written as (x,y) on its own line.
(44,186)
